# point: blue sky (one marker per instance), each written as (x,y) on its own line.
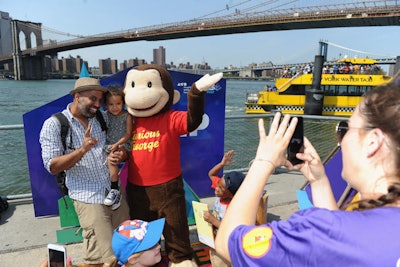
(89,17)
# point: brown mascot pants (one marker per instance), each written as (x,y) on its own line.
(164,201)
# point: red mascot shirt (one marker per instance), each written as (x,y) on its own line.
(155,156)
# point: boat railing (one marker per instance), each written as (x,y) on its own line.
(241,135)
(289,81)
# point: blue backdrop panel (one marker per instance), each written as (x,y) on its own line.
(45,192)
(203,148)
(200,150)
(333,169)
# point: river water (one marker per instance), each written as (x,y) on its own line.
(19,97)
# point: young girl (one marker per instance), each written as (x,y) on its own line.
(120,124)
(136,243)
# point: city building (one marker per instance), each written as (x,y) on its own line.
(68,64)
(71,65)
(159,56)
(131,63)
(79,62)
(5,34)
(108,66)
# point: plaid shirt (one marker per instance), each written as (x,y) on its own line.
(88,179)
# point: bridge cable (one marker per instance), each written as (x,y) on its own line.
(36,27)
(357,51)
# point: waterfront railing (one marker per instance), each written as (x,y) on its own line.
(241,135)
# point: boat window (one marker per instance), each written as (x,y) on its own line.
(360,90)
(328,89)
(294,90)
(342,90)
(352,90)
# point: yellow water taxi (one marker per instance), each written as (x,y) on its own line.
(342,85)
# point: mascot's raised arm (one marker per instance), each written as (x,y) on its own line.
(149,91)
(155,184)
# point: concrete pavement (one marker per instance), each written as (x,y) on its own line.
(24,238)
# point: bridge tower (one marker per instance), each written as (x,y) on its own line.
(323,49)
(30,67)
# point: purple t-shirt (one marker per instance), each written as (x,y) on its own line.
(319,237)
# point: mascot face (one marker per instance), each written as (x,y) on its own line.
(149,90)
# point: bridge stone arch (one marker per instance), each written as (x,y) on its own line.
(29,29)
(27,68)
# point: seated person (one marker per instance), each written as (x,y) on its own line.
(225,188)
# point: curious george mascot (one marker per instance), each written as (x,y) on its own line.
(155,185)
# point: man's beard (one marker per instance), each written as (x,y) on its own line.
(85,110)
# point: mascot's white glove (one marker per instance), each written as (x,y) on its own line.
(205,82)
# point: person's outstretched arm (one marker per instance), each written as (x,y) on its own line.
(227,159)
(271,153)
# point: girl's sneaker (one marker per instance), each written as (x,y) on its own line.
(112,197)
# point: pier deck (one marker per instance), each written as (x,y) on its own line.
(24,238)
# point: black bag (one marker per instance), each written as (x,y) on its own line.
(60,177)
(3,205)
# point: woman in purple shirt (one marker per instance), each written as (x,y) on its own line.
(324,235)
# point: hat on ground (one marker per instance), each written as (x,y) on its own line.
(134,236)
(233,180)
(86,84)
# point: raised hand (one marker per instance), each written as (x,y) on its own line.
(312,168)
(205,82)
(88,141)
(272,148)
(228,158)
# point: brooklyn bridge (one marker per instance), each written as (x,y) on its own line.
(28,63)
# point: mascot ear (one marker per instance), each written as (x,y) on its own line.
(177,96)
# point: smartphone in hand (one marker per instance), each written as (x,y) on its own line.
(296,144)
(57,255)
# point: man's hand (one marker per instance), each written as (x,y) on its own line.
(88,141)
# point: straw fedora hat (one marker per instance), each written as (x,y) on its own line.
(86,84)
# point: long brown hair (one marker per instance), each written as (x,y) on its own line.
(381,109)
